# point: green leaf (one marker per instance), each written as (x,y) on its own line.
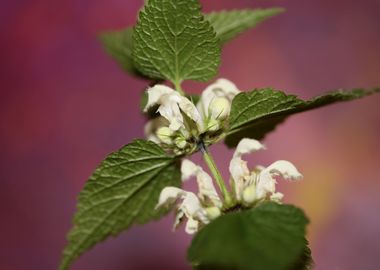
(270,236)
(256,113)
(229,24)
(119,45)
(173,41)
(305,261)
(123,190)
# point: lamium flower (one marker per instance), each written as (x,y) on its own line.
(198,209)
(249,188)
(181,122)
(252,186)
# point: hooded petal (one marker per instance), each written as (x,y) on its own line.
(188,169)
(284,168)
(221,88)
(192,208)
(156,92)
(169,100)
(205,183)
(220,108)
(169,195)
(266,183)
(247,146)
(170,110)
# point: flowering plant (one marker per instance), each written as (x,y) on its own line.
(237,224)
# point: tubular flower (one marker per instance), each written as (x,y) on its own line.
(183,121)
(215,102)
(198,209)
(260,184)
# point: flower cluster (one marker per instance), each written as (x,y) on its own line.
(181,122)
(249,187)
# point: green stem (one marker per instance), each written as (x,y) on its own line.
(217,176)
(177,85)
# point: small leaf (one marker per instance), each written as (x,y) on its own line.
(173,41)
(123,190)
(118,45)
(270,236)
(229,24)
(256,113)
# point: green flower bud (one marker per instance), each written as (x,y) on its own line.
(213,212)
(164,134)
(220,108)
(213,124)
(180,142)
(249,194)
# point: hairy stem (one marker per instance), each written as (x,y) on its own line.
(216,173)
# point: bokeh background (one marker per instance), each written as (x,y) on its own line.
(65,104)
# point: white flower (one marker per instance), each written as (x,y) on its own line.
(260,184)
(249,188)
(215,102)
(222,88)
(209,114)
(171,103)
(207,192)
(199,210)
(152,126)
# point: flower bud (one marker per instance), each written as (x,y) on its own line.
(249,194)
(213,125)
(213,212)
(220,108)
(164,134)
(180,142)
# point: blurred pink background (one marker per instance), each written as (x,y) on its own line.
(65,104)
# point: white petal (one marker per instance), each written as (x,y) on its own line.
(228,88)
(188,169)
(204,180)
(221,88)
(220,108)
(192,208)
(277,197)
(169,195)
(149,132)
(155,93)
(207,189)
(239,173)
(170,110)
(284,168)
(265,185)
(190,110)
(247,146)
(152,126)
(178,219)
(191,226)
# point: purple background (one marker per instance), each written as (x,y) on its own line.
(65,104)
